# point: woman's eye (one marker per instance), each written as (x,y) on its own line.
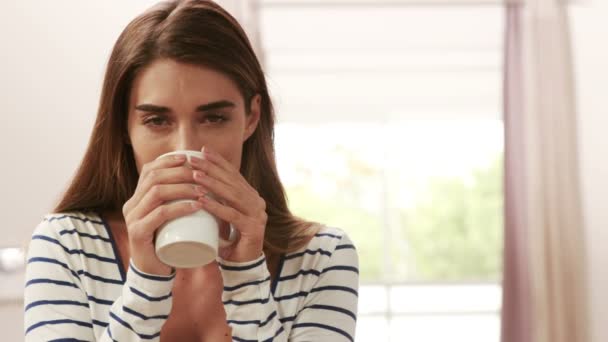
(158,121)
(155,121)
(215,118)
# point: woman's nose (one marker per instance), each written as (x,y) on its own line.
(188,139)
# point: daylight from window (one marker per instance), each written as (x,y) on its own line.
(390,128)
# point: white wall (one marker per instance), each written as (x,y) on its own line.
(590,33)
(51,66)
(52,58)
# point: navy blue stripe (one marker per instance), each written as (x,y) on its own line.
(238,339)
(270,318)
(331,308)
(287,319)
(110,334)
(149,298)
(327,234)
(242,268)
(75,273)
(236,287)
(152,277)
(335,288)
(275,281)
(291,296)
(74,251)
(55,302)
(323,326)
(247,302)
(128,326)
(300,272)
(342,268)
(53,261)
(345,247)
(72,217)
(318,289)
(101,279)
(58,321)
(91,236)
(318,273)
(121,268)
(257,322)
(142,316)
(100,301)
(50,281)
(308,251)
(67,340)
(100,323)
(275,335)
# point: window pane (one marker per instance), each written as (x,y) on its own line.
(390,128)
(336,180)
(421,199)
(441,328)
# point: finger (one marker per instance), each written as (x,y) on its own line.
(235,178)
(162,193)
(240,198)
(174,175)
(162,163)
(234,189)
(218,160)
(165,162)
(144,229)
(224,212)
(213,170)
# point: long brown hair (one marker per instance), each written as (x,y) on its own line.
(195,32)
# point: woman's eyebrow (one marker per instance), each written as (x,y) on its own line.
(147,107)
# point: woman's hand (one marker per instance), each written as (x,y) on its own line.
(160,181)
(238,203)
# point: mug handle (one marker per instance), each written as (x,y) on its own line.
(231,238)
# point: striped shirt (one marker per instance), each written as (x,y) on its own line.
(77,290)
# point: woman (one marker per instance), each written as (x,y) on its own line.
(183,76)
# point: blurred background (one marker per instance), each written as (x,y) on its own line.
(390,127)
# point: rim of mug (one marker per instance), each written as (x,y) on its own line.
(189,153)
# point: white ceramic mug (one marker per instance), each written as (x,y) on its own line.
(192,240)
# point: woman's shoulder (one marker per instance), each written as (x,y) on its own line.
(329,238)
(327,245)
(71,226)
(77,242)
(72,216)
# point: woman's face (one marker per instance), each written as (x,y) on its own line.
(176,106)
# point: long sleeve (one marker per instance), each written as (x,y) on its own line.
(329,312)
(250,308)
(68,285)
(324,286)
(142,309)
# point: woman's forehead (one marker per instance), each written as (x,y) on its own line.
(167,81)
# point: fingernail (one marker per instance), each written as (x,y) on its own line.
(198,174)
(196,160)
(179,157)
(200,190)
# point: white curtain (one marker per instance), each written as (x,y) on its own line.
(544,275)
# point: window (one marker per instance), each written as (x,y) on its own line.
(390,128)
